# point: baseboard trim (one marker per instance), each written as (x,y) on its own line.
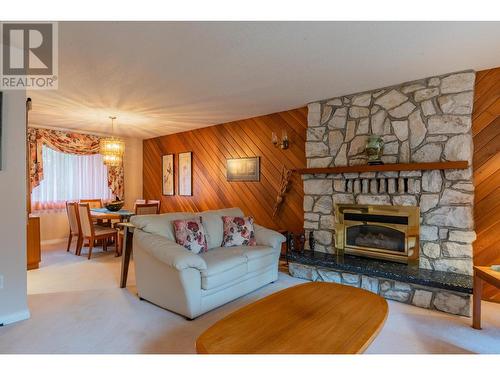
(54,241)
(16,317)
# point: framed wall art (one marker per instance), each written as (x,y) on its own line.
(167,166)
(243,169)
(185,173)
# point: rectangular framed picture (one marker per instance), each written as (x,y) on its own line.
(243,169)
(185,173)
(167,167)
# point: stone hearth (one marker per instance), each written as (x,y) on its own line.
(428,120)
(436,290)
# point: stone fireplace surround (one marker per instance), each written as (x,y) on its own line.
(428,120)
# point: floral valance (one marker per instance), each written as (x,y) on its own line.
(70,143)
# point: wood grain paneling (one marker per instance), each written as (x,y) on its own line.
(486,132)
(211,147)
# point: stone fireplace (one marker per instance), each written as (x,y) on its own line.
(423,121)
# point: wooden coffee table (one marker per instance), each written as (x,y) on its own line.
(311,318)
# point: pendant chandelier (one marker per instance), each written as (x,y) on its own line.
(112,148)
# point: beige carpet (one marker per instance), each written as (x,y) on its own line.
(77,307)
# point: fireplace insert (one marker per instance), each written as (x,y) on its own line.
(382,232)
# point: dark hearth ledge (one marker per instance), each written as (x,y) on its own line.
(388,270)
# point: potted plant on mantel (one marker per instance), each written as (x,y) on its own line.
(374,150)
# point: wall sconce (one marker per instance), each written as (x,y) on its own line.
(284,144)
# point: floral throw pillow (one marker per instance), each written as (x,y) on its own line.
(191,234)
(238,231)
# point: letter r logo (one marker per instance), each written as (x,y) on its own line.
(27,48)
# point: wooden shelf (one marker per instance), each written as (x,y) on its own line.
(462,164)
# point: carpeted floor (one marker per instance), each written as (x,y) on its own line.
(77,307)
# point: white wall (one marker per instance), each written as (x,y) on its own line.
(54,225)
(13,301)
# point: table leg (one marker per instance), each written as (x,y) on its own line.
(126,251)
(476,311)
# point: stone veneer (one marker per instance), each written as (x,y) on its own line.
(428,120)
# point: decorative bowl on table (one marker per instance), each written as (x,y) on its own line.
(115,205)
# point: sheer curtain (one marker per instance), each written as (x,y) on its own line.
(69,177)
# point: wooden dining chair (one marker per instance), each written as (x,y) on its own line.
(155,201)
(93,203)
(147,209)
(74,226)
(97,203)
(139,201)
(95,232)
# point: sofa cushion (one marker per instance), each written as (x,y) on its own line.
(160,224)
(213,228)
(191,234)
(212,221)
(223,266)
(238,231)
(259,257)
(255,252)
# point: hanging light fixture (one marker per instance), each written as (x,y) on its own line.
(112,148)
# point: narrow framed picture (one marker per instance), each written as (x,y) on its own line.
(243,169)
(167,166)
(185,173)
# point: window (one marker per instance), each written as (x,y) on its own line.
(69,177)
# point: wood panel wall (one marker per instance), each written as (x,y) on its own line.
(486,133)
(212,145)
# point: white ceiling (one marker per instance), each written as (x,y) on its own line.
(167,77)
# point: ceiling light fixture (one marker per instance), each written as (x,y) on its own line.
(112,148)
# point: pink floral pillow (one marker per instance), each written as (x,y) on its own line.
(191,234)
(238,231)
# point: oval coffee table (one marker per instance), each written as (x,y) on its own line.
(311,318)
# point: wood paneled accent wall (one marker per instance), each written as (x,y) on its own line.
(486,133)
(212,145)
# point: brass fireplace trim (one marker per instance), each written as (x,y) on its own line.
(411,231)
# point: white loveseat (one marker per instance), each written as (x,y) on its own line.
(189,284)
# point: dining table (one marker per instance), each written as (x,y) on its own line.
(127,245)
(103,213)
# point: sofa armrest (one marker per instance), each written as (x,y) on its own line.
(268,237)
(168,252)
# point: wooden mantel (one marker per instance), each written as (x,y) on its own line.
(462,164)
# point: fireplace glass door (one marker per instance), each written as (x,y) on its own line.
(370,236)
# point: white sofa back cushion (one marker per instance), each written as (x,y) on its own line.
(162,224)
(212,222)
